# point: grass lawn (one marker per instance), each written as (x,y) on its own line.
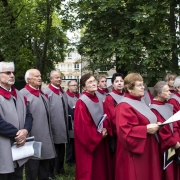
(69,170)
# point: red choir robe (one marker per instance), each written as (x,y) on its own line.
(103,91)
(172,91)
(92,151)
(167,140)
(109,108)
(150,95)
(176,108)
(137,155)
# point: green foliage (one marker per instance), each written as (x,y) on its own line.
(32,34)
(131,35)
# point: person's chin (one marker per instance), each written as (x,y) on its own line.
(11,83)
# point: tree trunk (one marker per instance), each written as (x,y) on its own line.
(173,33)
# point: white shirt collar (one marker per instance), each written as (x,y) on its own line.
(55,86)
(33,87)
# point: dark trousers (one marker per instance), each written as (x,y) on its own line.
(58,162)
(70,152)
(16,175)
(37,169)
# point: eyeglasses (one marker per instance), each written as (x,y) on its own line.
(8,72)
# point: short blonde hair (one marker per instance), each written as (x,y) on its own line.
(130,79)
(170,76)
(100,77)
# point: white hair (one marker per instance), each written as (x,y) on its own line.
(52,73)
(7,65)
(27,76)
(176,82)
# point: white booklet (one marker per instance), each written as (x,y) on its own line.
(30,149)
(100,125)
(174,118)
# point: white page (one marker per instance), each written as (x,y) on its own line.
(22,152)
(100,125)
(37,149)
(174,118)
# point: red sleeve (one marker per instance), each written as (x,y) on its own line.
(176,128)
(130,132)
(176,107)
(175,104)
(85,130)
(109,109)
(165,134)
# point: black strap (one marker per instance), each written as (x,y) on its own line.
(65,117)
(46,108)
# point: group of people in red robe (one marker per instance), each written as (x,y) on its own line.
(131,143)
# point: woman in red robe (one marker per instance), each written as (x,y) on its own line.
(137,155)
(175,101)
(170,78)
(92,152)
(167,135)
(110,103)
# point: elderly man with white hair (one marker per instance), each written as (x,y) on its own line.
(59,120)
(15,123)
(41,129)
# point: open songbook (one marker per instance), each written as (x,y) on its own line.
(169,157)
(174,118)
(100,125)
(31,148)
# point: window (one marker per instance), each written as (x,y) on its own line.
(76,77)
(69,55)
(69,77)
(76,66)
(69,66)
(63,67)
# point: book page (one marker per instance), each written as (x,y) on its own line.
(23,151)
(100,125)
(37,149)
(174,118)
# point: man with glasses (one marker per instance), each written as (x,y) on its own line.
(15,123)
(59,121)
(73,96)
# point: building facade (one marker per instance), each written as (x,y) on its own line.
(70,68)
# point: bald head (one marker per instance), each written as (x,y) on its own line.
(33,78)
(55,78)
